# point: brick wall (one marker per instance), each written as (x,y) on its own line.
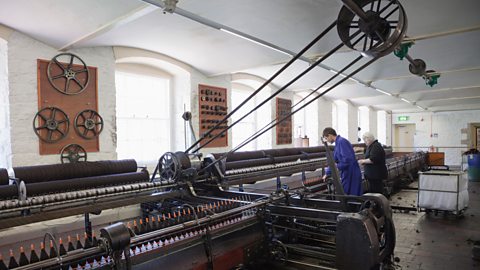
(5,149)
(23,53)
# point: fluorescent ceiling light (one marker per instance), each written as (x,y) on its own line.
(355,80)
(333,71)
(340,74)
(255,41)
(406,100)
(383,92)
(421,108)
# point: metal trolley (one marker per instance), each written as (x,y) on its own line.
(443,190)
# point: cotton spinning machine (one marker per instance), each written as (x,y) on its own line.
(234,210)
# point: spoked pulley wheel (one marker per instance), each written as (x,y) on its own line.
(417,67)
(73,153)
(382,24)
(69,77)
(88,124)
(169,167)
(278,251)
(51,124)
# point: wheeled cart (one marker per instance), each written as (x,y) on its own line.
(443,190)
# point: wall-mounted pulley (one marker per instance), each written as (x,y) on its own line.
(417,66)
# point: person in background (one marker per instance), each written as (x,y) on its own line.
(374,168)
(347,164)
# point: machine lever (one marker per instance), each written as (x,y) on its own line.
(333,168)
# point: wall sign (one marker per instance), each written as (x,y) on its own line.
(403,118)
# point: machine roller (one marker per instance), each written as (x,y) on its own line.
(204,218)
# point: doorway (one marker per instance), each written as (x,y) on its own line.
(474,136)
(477,139)
(403,137)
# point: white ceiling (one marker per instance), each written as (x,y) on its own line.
(446,34)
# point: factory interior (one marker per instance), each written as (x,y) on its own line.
(240,134)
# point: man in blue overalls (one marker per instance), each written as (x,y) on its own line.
(347,164)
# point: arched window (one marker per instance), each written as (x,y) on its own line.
(340,117)
(299,120)
(334,116)
(382,127)
(143,116)
(247,126)
(306,120)
(363,120)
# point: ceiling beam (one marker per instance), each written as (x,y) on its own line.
(432,90)
(450,98)
(442,34)
(121,20)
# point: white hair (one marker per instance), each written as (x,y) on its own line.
(368,136)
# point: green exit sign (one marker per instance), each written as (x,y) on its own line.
(403,118)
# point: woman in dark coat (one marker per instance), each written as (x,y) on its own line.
(374,168)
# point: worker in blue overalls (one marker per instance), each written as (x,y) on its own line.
(347,164)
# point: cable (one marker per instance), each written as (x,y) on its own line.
(258,133)
(320,60)
(297,56)
(249,139)
(267,127)
(315,91)
(273,95)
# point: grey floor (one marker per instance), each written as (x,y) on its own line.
(429,241)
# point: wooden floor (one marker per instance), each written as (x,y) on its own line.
(429,241)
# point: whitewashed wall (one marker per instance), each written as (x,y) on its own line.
(372,122)
(388,137)
(442,130)
(23,53)
(5,146)
(21,83)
